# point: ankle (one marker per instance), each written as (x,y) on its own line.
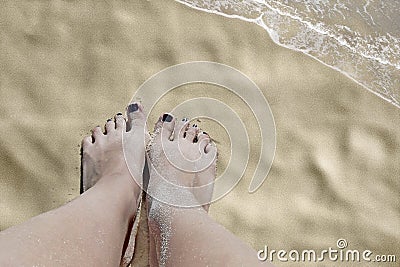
(124,192)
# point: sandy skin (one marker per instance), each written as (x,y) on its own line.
(187,236)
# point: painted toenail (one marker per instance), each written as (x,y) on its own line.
(109,120)
(185,119)
(166,117)
(133,107)
(194,125)
(119,114)
(205,133)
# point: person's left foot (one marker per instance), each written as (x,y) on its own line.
(103,155)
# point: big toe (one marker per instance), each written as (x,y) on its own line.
(203,139)
(168,125)
(136,117)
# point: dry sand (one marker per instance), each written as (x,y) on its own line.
(66,67)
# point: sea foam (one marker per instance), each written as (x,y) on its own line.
(361,39)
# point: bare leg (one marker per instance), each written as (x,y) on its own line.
(91,229)
(198,240)
(187,236)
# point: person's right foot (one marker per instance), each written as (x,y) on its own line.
(182,159)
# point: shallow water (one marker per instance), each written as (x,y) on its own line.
(361,39)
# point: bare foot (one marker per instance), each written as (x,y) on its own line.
(103,153)
(182,164)
(90,230)
(182,159)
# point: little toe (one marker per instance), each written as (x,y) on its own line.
(97,133)
(168,125)
(110,125)
(191,133)
(135,115)
(120,122)
(87,141)
(211,149)
(180,128)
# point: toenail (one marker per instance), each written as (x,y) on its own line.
(119,114)
(109,120)
(194,125)
(166,117)
(205,133)
(133,107)
(185,119)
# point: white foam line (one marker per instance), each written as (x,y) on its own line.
(327,33)
(307,23)
(261,23)
(216,12)
(385,97)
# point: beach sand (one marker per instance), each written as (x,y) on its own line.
(66,67)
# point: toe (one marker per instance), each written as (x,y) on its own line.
(203,139)
(180,128)
(87,141)
(158,125)
(168,125)
(110,125)
(211,149)
(120,122)
(191,133)
(135,115)
(97,133)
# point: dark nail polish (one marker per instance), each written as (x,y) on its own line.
(119,113)
(185,119)
(133,107)
(109,120)
(205,133)
(166,117)
(194,125)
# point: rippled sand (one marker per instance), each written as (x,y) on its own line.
(67,66)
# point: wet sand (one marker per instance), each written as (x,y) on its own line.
(66,67)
